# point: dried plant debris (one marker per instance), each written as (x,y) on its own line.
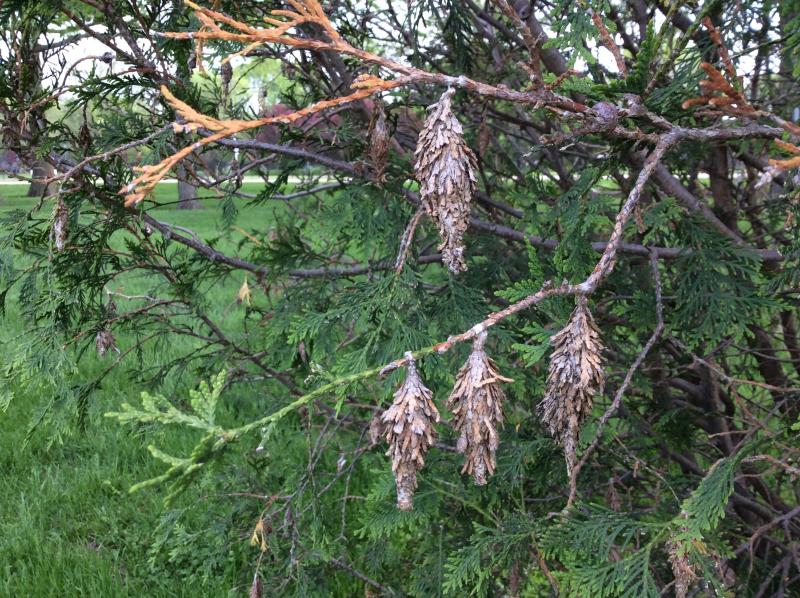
(484,137)
(379,144)
(244,295)
(682,569)
(226,75)
(575,377)
(613,499)
(477,406)
(60,225)
(408,429)
(445,168)
(256,588)
(105,342)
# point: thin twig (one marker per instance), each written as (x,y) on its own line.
(531,41)
(725,377)
(793,471)
(356,573)
(608,41)
(406,241)
(105,155)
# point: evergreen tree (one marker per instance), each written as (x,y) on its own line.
(600,197)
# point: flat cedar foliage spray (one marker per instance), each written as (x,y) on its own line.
(442,249)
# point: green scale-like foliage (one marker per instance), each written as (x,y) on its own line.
(288,303)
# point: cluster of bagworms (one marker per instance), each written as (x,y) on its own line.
(445,167)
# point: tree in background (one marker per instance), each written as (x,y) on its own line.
(25,41)
(562,299)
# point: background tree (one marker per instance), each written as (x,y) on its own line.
(31,50)
(605,203)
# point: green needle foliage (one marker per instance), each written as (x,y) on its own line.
(244,327)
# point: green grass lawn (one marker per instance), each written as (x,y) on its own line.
(68,526)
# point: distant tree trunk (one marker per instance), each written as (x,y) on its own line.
(787,85)
(41,170)
(187,192)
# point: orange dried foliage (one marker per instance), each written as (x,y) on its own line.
(788,163)
(282,21)
(789,147)
(143,185)
(307,11)
(719,93)
(713,32)
(609,43)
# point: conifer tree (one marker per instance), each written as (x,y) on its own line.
(601,198)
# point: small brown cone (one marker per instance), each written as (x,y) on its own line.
(60,225)
(477,406)
(576,376)
(379,144)
(408,429)
(445,168)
